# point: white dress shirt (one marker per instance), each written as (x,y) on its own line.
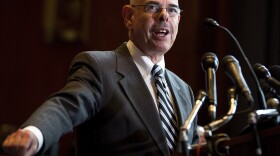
(145,65)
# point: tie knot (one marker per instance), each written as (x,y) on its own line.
(157,71)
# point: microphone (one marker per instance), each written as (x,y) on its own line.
(210,64)
(233,70)
(273,103)
(212,23)
(269,91)
(275,71)
(263,73)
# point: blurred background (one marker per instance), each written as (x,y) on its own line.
(38,40)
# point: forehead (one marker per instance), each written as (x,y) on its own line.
(166,2)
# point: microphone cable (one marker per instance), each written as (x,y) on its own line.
(212,23)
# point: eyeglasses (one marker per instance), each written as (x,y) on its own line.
(156,8)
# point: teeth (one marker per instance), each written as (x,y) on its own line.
(161,35)
(161,32)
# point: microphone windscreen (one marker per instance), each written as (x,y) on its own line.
(275,72)
(209,60)
(210,22)
(261,71)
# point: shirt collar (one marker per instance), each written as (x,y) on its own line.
(143,62)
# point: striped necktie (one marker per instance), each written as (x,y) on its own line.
(166,111)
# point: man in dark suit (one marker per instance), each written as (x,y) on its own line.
(111,97)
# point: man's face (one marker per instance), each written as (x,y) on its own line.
(154,32)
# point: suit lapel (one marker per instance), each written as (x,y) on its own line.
(138,93)
(183,98)
(180,98)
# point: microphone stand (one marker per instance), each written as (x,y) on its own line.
(184,130)
(212,142)
(220,122)
(253,125)
(253,119)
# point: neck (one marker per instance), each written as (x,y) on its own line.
(156,59)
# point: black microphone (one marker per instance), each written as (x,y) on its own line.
(263,73)
(233,70)
(210,64)
(269,91)
(275,72)
(212,23)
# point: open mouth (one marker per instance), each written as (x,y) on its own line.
(161,32)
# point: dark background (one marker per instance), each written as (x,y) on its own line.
(32,68)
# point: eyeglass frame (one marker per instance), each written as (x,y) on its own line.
(159,9)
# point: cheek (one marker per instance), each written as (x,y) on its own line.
(175,27)
(143,25)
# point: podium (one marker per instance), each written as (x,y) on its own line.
(245,145)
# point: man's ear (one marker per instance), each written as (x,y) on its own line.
(127,13)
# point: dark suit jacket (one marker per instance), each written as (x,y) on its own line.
(109,102)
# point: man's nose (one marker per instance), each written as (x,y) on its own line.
(163,15)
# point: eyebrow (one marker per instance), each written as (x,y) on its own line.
(157,3)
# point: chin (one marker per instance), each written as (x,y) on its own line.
(163,48)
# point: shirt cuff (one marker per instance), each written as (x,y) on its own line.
(38,135)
